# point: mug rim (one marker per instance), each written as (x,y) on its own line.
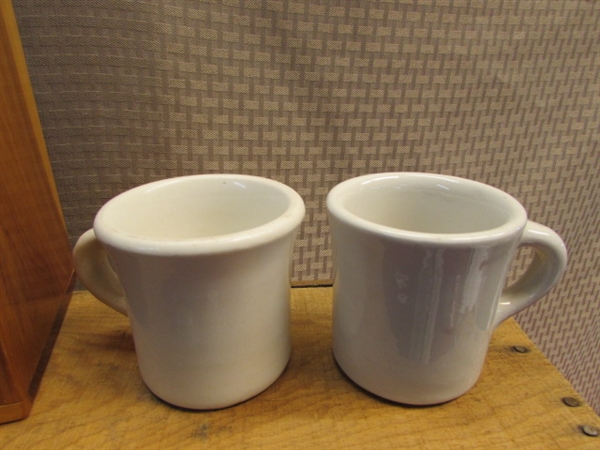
(514,224)
(268,232)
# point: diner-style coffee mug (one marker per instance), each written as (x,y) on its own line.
(420,267)
(201,265)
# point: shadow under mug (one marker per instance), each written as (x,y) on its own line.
(420,267)
(201,265)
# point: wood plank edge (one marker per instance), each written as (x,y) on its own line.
(47,352)
(312,284)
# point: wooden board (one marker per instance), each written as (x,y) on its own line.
(36,270)
(92,397)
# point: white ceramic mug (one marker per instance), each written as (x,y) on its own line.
(202,269)
(420,266)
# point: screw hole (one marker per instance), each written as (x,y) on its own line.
(520,349)
(590,430)
(571,401)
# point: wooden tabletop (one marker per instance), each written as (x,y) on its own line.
(92,397)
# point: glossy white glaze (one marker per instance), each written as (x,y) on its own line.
(420,263)
(202,269)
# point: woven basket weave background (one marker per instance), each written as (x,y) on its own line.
(313,92)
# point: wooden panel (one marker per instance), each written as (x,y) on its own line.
(92,397)
(36,271)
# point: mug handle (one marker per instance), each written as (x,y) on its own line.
(96,274)
(548,265)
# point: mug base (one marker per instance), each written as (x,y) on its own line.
(398,394)
(213,404)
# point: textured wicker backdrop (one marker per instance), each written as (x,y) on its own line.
(314,92)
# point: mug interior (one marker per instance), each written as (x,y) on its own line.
(191,208)
(431,204)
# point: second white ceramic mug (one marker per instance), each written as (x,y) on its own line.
(420,265)
(202,269)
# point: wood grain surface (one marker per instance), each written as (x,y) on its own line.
(92,397)
(36,268)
